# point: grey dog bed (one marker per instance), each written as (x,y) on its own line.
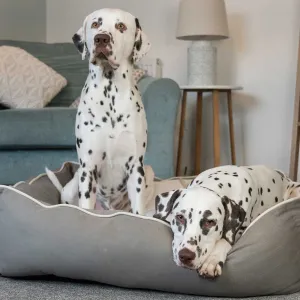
(40,237)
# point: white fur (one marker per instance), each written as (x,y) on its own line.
(216,208)
(111,126)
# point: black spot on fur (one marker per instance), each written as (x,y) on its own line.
(250,191)
(204,219)
(78,142)
(103,155)
(113,122)
(119,118)
(90,152)
(141,171)
(78,42)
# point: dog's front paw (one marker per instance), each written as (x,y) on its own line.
(212,268)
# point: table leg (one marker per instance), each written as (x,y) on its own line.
(181,130)
(198,133)
(216,126)
(231,128)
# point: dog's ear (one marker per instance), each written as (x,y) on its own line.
(164,204)
(79,40)
(233,219)
(141,44)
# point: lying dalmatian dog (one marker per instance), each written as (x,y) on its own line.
(111,126)
(210,215)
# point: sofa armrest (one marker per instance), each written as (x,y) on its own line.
(161,101)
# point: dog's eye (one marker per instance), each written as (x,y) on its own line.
(210,223)
(121,26)
(95,25)
(180,218)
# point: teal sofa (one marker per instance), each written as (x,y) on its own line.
(31,139)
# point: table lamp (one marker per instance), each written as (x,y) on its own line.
(202,22)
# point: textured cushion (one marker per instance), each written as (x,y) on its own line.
(39,237)
(26,82)
(64,59)
(138,74)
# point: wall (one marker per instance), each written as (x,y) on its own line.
(23,20)
(260,56)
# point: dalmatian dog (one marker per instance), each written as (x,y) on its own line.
(111,126)
(212,212)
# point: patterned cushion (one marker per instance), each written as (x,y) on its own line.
(138,74)
(25,81)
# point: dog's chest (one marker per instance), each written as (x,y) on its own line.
(108,108)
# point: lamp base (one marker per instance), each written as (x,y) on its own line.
(202,63)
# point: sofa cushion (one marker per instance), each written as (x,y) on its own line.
(25,81)
(51,127)
(23,164)
(65,60)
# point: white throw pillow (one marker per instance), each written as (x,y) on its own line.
(25,81)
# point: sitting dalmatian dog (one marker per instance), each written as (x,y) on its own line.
(210,215)
(111,126)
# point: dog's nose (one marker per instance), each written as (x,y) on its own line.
(186,256)
(102,39)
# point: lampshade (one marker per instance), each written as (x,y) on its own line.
(202,20)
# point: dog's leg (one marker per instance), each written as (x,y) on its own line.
(87,187)
(136,186)
(212,267)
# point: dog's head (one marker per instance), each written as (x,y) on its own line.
(198,218)
(111,36)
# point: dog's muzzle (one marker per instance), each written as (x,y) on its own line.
(102,45)
(186,257)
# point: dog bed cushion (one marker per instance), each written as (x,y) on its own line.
(39,236)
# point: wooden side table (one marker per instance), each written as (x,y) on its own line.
(215,90)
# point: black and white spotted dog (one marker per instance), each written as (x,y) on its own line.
(111,126)
(209,216)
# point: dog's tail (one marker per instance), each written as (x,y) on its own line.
(54,179)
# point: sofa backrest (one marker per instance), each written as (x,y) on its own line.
(64,59)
